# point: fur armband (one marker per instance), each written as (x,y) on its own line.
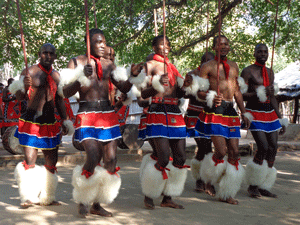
(60,91)
(17,85)
(248,116)
(121,73)
(69,125)
(284,122)
(198,84)
(276,88)
(180,81)
(261,93)
(210,98)
(129,97)
(139,79)
(157,85)
(243,85)
(68,76)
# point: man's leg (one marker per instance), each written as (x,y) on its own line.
(204,147)
(266,186)
(256,169)
(177,174)
(112,183)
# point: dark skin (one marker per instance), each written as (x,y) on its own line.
(39,96)
(7,98)
(266,142)
(229,89)
(203,144)
(162,145)
(98,90)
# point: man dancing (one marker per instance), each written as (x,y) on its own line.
(97,126)
(166,128)
(38,129)
(262,104)
(221,122)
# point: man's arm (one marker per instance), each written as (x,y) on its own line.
(246,74)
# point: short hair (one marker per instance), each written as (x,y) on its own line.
(157,38)
(1,84)
(46,45)
(207,55)
(258,45)
(216,39)
(92,32)
(10,80)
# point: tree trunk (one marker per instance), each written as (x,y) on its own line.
(296,108)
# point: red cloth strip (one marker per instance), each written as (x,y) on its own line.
(115,172)
(99,66)
(181,167)
(264,74)
(50,80)
(226,66)
(51,168)
(26,166)
(234,162)
(172,71)
(168,101)
(217,161)
(86,173)
(163,171)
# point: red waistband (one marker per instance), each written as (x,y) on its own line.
(169,101)
(195,108)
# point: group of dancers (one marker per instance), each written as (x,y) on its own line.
(211,118)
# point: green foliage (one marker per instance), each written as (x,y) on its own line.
(129,27)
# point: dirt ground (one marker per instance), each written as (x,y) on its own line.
(128,207)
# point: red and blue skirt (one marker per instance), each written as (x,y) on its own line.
(219,121)
(163,120)
(96,121)
(264,117)
(191,119)
(42,132)
(122,114)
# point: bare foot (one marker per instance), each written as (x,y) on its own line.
(167,202)
(98,210)
(253,191)
(230,201)
(210,189)
(266,193)
(26,204)
(200,186)
(149,204)
(82,210)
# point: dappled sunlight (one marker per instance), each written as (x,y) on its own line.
(286,173)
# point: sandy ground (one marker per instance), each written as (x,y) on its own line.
(128,207)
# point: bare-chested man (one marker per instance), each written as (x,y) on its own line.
(38,129)
(97,126)
(221,122)
(166,128)
(196,107)
(262,104)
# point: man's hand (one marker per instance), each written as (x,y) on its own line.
(88,70)
(246,122)
(27,82)
(270,90)
(123,97)
(65,129)
(136,69)
(164,80)
(188,80)
(218,99)
(282,130)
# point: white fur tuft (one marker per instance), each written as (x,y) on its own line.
(121,73)
(243,85)
(85,190)
(276,88)
(261,93)
(157,85)
(210,98)
(249,116)
(231,182)
(70,128)
(29,182)
(138,80)
(284,122)
(152,181)
(255,173)
(109,186)
(17,85)
(175,182)
(270,178)
(198,84)
(84,81)
(135,91)
(49,185)
(195,167)
(180,81)
(60,91)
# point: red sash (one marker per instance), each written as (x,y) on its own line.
(50,81)
(226,66)
(172,71)
(264,74)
